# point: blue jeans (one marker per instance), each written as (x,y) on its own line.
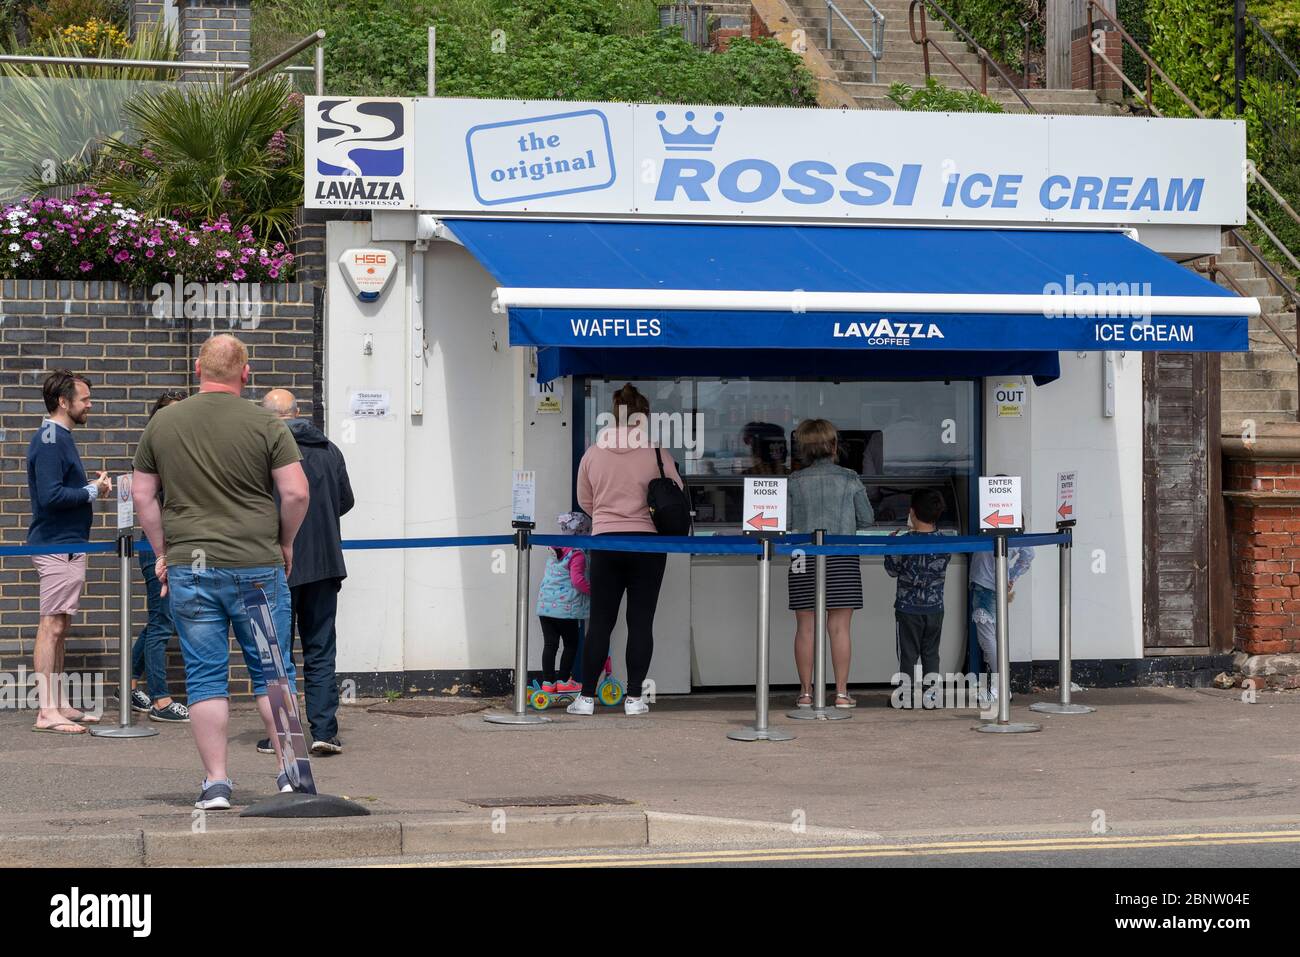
(149,656)
(206,606)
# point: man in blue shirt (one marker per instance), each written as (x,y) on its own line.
(62,511)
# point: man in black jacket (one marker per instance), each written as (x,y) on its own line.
(318,570)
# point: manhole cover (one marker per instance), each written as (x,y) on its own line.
(548,800)
(429,707)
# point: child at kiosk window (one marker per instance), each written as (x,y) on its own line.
(918,604)
(563,602)
(984,606)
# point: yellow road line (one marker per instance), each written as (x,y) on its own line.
(884,850)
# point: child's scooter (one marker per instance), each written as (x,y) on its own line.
(608,692)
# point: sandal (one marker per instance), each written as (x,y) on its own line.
(60,728)
(844,701)
(805,700)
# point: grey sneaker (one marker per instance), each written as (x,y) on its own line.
(175,712)
(215,796)
(265,747)
(140,701)
(282,783)
(327,746)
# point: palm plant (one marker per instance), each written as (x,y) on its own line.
(203,151)
(55,117)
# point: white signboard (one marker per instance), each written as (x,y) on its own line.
(1066,485)
(511,156)
(1000,503)
(1010,399)
(125,504)
(764,505)
(358,153)
(523,498)
(549,395)
(369,404)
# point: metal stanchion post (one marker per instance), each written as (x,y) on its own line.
(819,711)
(760,731)
(125,551)
(520,715)
(1003,723)
(1064,706)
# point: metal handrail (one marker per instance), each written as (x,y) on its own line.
(877,45)
(1273,44)
(1214,271)
(196,66)
(1096,51)
(308,41)
(985,59)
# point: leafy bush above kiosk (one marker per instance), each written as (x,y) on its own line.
(93,237)
(547,49)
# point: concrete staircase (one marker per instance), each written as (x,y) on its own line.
(903,61)
(1259,384)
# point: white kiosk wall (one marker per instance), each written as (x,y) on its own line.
(1062,423)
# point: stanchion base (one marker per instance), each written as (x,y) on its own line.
(1011,727)
(1055,707)
(134,731)
(754,734)
(293,804)
(818,714)
(520,719)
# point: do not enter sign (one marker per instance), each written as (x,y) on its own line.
(1000,503)
(765,509)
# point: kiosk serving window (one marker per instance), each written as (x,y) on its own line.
(898,436)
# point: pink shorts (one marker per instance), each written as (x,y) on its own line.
(61,582)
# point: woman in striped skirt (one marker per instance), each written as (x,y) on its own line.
(830,497)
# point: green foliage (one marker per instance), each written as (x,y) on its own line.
(48,17)
(205,151)
(996,26)
(934,98)
(1280,18)
(551,49)
(54,118)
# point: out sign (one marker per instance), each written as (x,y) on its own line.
(1000,503)
(1010,399)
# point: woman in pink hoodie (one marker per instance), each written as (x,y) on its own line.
(613,478)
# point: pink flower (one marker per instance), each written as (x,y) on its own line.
(86,266)
(238,275)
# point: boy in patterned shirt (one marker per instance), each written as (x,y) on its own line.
(918,606)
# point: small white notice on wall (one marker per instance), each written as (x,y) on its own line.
(1010,399)
(549,395)
(369,404)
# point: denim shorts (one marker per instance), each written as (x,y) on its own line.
(206,606)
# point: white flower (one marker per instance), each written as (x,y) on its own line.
(14,247)
(26,257)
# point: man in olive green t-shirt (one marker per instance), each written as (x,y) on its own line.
(220,461)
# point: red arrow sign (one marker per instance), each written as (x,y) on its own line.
(763,521)
(1065,509)
(997,518)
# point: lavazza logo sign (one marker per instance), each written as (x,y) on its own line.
(360,154)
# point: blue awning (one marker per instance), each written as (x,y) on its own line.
(734,299)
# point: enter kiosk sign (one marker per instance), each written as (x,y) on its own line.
(1000,503)
(765,504)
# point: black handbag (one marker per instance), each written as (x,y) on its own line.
(670,507)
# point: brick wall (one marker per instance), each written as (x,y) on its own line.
(1102,77)
(107,332)
(220,27)
(1265,497)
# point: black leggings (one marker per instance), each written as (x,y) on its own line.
(612,573)
(553,629)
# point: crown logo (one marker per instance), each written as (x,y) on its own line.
(690,138)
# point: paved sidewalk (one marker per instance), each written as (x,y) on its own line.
(1148,757)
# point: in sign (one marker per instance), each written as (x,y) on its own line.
(1000,503)
(764,506)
